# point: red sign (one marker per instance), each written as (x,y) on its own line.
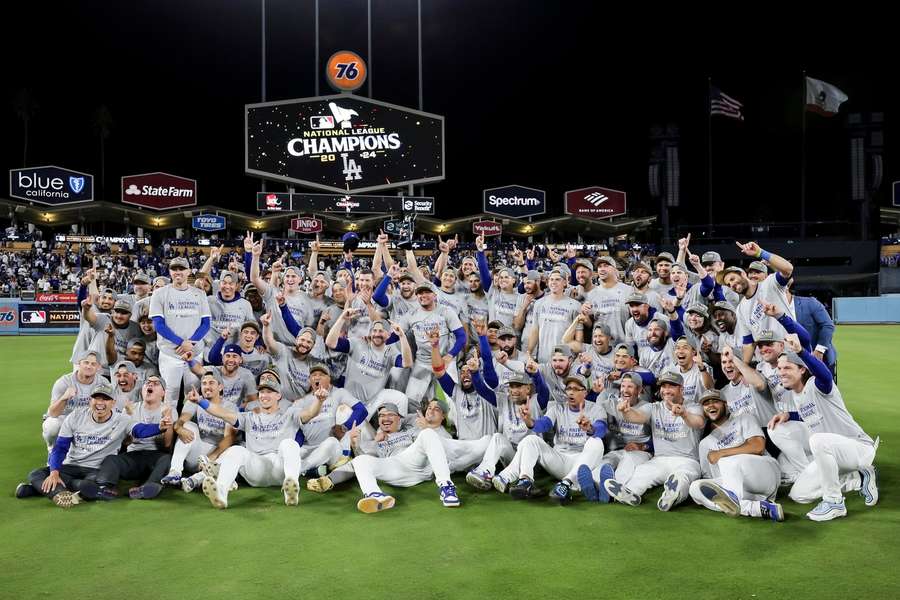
(58,298)
(487,228)
(159,191)
(9,316)
(595,203)
(306,225)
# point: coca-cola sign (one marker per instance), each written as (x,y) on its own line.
(306,225)
(64,298)
(487,228)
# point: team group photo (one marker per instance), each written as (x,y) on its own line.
(322,303)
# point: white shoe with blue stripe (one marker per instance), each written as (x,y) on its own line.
(827,511)
(869,488)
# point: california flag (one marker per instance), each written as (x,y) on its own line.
(823,98)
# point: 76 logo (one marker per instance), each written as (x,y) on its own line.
(7,316)
(347,71)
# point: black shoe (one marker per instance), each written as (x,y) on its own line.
(103,493)
(25,490)
(148,491)
(562,493)
(522,489)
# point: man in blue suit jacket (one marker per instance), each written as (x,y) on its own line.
(813,316)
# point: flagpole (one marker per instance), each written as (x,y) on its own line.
(709,179)
(803,160)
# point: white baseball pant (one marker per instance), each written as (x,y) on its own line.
(190,452)
(836,460)
(462,454)
(260,470)
(417,463)
(751,477)
(623,461)
(326,453)
(50,429)
(534,450)
(792,438)
(499,448)
(174,371)
(656,470)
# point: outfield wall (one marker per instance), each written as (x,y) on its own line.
(29,318)
(877,309)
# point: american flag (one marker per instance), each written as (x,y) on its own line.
(723,104)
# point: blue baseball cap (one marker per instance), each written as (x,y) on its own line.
(233,348)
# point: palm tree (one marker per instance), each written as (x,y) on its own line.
(103,123)
(25,107)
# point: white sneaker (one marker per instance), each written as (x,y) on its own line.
(208,467)
(827,511)
(375,502)
(212,492)
(291,489)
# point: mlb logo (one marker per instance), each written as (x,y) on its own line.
(34,316)
(321,122)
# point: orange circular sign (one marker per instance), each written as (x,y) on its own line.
(346,71)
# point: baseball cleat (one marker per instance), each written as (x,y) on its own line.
(479,481)
(148,491)
(212,492)
(621,493)
(670,493)
(343,460)
(500,483)
(606,473)
(173,479)
(771,510)
(869,488)
(105,493)
(826,511)
(448,495)
(320,485)
(189,484)
(66,499)
(375,502)
(587,485)
(522,489)
(562,493)
(725,500)
(291,489)
(208,467)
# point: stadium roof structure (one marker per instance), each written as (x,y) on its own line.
(151,220)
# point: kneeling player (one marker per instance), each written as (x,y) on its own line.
(739,477)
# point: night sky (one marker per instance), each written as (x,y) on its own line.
(549,95)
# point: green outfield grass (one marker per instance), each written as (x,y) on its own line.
(491,547)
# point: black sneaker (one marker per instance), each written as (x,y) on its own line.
(25,490)
(107,493)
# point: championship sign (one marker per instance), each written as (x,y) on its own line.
(344,144)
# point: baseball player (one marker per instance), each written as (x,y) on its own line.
(127,387)
(739,478)
(523,320)
(842,453)
(147,458)
(201,437)
(725,319)
(552,316)
(270,455)
(371,360)
(297,302)
(227,309)
(641,274)
(578,426)
(607,299)
(181,318)
(119,320)
(629,443)
(696,374)
(70,392)
(525,394)
(253,355)
(747,392)
(750,315)
(662,283)
(240,383)
(659,354)
(402,458)
(502,298)
(87,436)
(676,431)
(294,361)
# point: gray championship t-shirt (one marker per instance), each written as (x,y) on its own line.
(83,391)
(732,433)
(93,441)
(212,428)
(182,311)
(263,432)
(671,435)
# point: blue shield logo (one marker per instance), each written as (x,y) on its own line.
(76,184)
